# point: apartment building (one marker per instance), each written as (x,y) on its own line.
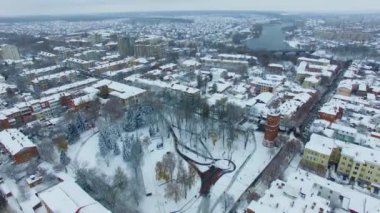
(151,46)
(318,150)
(360,164)
(357,163)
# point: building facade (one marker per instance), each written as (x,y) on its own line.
(271,129)
(151,47)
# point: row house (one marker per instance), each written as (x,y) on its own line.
(29,111)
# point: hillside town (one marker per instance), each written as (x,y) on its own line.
(194,113)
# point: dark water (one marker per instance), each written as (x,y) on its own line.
(271,39)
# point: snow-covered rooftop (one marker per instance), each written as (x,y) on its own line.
(41,70)
(119,90)
(70,86)
(284,197)
(321,144)
(14,141)
(67,196)
(54,76)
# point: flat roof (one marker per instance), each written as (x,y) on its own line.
(15,141)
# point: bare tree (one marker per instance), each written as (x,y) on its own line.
(3,203)
(169,163)
(182,177)
(173,191)
(120,180)
(136,155)
(228,201)
(135,191)
(91,111)
(113,110)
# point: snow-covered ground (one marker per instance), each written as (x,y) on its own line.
(249,163)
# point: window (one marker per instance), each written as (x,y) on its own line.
(354,173)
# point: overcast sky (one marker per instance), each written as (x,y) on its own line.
(58,7)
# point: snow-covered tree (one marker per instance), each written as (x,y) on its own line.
(129,123)
(127,146)
(64,159)
(152,131)
(136,154)
(103,147)
(120,180)
(46,150)
(136,192)
(72,133)
(116,149)
(108,137)
(80,122)
(136,117)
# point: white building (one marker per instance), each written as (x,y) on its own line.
(10,52)
(67,196)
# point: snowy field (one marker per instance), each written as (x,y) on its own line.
(249,163)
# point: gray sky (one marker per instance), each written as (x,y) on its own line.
(43,7)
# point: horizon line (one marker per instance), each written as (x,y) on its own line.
(330,12)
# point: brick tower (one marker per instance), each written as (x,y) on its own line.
(271,128)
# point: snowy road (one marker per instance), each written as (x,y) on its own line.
(220,198)
(84,143)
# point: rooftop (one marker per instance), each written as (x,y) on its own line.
(14,141)
(67,196)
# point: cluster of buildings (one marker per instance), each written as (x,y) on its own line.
(68,96)
(344,145)
(306,192)
(313,73)
(173,59)
(59,195)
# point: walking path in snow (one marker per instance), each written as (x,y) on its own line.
(84,142)
(220,198)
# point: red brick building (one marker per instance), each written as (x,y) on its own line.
(17,145)
(271,129)
(331,115)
